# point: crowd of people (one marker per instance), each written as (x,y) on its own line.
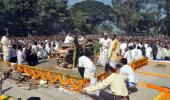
(112,47)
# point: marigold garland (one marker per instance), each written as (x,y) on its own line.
(49,76)
(70,81)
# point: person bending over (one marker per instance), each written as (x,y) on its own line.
(116,83)
(125,69)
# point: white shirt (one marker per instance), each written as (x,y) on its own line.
(133,53)
(148,52)
(5,40)
(85,62)
(49,49)
(34,48)
(105,45)
(123,46)
(20,57)
(128,56)
(159,55)
(127,70)
(139,54)
(68,39)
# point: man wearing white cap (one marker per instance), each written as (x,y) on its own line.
(105,44)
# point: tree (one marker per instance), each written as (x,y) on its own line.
(78,19)
(167,8)
(91,13)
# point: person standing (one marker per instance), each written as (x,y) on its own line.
(128,54)
(149,52)
(105,43)
(143,50)
(166,53)
(154,51)
(139,53)
(20,55)
(114,50)
(68,39)
(5,47)
(159,55)
(134,52)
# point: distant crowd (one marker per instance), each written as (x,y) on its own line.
(31,49)
(131,47)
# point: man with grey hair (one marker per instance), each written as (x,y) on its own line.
(105,44)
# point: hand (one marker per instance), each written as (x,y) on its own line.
(83,92)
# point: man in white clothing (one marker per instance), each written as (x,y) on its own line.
(20,56)
(127,70)
(105,44)
(159,55)
(134,52)
(68,38)
(149,52)
(139,53)
(89,67)
(128,54)
(123,46)
(5,42)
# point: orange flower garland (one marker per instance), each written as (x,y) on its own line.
(49,76)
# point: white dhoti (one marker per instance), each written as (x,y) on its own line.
(5,53)
(90,73)
(103,59)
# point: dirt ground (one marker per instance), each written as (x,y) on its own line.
(51,93)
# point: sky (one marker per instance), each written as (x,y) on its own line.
(72,2)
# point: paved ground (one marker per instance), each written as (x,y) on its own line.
(52,93)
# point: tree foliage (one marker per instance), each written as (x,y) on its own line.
(54,16)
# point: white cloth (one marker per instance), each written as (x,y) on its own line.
(5,48)
(56,46)
(127,70)
(49,49)
(20,57)
(123,46)
(68,39)
(166,53)
(128,56)
(34,49)
(159,55)
(130,44)
(103,58)
(105,45)
(90,69)
(139,54)
(5,41)
(149,52)
(134,53)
